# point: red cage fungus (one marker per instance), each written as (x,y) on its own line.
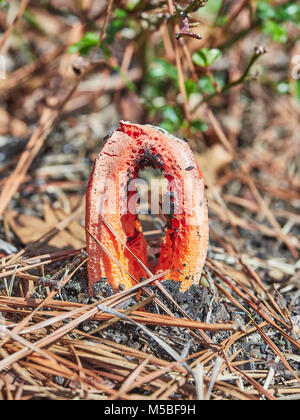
(125,152)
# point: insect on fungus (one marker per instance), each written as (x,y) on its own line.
(110,223)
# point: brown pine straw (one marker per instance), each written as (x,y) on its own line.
(92,313)
(222,137)
(34,357)
(11,27)
(48,118)
(179,66)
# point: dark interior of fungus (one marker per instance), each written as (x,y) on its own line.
(153,222)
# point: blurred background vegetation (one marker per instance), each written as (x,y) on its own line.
(141,34)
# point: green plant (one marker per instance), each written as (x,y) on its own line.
(274,19)
(164,95)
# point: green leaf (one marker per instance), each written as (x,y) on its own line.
(283,87)
(206,85)
(282,13)
(91,38)
(172,118)
(199,125)
(162,69)
(213,55)
(288,12)
(297,90)
(199,59)
(114,27)
(167,125)
(87,42)
(206,57)
(265,10)
(293,12)
(132,4)
(171,114)
(212,7)
(191,86)
(83,46)
(120,13)
(277,31)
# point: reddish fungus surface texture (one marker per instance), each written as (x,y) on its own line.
(128,150)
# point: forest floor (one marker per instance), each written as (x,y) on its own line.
(237,337)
